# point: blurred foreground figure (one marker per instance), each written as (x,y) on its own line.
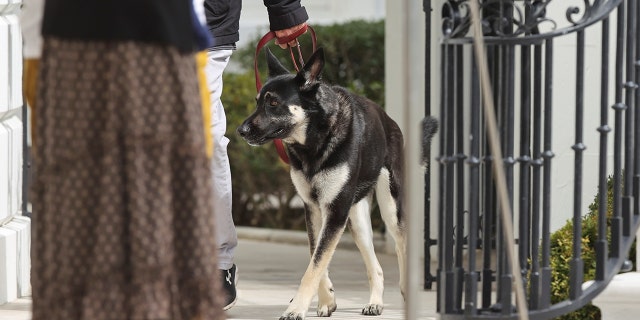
(123,221)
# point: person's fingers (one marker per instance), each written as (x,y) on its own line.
(283,46)
(286,33)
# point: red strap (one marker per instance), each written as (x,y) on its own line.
(282,152)
(263,41)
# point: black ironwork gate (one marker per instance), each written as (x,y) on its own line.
(474,280)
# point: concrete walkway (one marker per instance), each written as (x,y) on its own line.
(270,265)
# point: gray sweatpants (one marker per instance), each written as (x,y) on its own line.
(226,236)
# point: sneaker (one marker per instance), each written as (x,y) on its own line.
(229,281)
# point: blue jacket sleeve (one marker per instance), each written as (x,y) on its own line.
(285,14)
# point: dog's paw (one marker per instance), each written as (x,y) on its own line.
(326,310)
(372,310)
(292,316)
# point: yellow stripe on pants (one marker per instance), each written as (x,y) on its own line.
(201,62)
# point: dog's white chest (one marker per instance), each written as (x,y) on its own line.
(323,187)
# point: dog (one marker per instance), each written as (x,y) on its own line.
(343,148)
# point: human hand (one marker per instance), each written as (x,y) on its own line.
(288,32)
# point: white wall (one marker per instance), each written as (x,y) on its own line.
(564,116)
(15,233)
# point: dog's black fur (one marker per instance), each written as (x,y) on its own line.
(342,148)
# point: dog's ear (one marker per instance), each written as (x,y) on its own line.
(274,65)
(310,73)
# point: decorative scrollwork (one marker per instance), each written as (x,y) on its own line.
(507,19)
(589,9)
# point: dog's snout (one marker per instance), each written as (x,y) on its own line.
(244,129)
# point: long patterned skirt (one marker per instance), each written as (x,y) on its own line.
(123,225)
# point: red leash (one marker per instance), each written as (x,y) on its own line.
(263,41)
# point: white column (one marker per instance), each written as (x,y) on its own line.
(395,83)
(404,91)
(15,230)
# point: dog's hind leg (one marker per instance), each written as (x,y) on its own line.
(360,225)
(326,295)
(390,204)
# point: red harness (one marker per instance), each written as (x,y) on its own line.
(263,41)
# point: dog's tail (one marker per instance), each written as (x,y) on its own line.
(429,129)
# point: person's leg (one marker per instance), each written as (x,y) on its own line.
(226,236)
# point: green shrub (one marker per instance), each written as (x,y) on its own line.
(262,189)
(561,254)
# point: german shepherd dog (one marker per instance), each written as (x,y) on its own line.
(342,149)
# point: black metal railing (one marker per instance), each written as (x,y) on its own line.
(474,278)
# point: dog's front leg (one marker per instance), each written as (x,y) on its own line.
(326,294)
(333,226)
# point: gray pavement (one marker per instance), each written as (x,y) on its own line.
(270,265)
(16,310)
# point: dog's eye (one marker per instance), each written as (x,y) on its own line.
(271,100)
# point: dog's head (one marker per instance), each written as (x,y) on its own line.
(284,103)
